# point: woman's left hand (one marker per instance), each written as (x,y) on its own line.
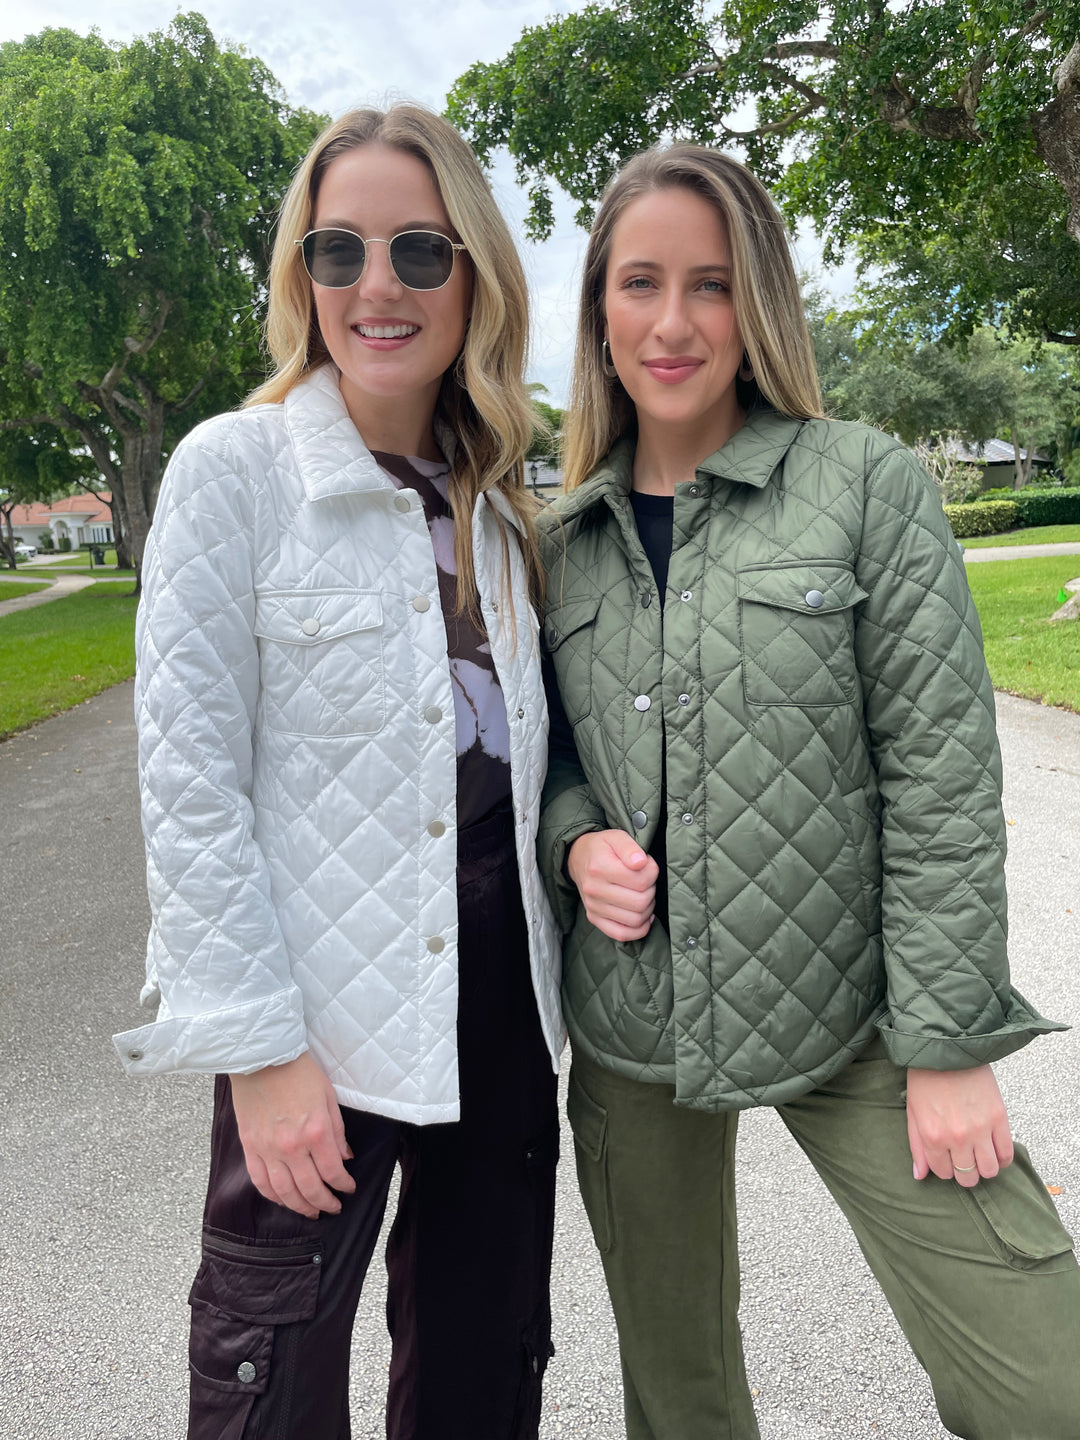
(957,1125)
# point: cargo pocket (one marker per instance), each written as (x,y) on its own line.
(588,1121)
(797,633)
(241,1294)
(1019,1220)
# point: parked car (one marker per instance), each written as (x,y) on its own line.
(24,551)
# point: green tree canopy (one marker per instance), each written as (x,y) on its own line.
(940,137)
(137,188)
(35,465)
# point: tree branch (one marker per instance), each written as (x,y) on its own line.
(1053,338)
(153,335)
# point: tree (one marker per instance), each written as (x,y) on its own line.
(940,137)
(34,466)
(925,392)
(547,436)
(137,188)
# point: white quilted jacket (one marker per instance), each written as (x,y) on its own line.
(297,750)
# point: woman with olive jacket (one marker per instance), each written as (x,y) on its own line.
(772,833)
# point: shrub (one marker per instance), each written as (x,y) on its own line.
(956,482)
(64,543)
(45,540)
(1048,507)
(990,518)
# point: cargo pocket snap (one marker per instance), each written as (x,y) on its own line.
(1019,1220)
(588,1121)
(241,1293)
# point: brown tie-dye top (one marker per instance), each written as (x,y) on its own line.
(483,731)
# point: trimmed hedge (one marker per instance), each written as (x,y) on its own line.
(1030,506)
(1048,507)
(989,517)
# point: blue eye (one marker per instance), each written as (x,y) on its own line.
(714,286)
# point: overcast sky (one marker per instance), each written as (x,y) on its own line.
(374,53)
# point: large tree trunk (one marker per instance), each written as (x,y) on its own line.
(8,541)
(140,480)
(119,525)
(1057,133)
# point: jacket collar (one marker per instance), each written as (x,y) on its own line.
(749,457)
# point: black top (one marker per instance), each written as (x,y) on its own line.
(655,519)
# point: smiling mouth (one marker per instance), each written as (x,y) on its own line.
(385,332)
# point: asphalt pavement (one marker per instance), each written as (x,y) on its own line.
(101,1177)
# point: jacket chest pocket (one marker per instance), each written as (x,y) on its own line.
(569,638)
(797,632)
(321,671)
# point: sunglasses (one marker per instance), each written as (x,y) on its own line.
(421,259)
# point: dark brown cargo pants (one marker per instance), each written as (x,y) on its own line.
(469,1253)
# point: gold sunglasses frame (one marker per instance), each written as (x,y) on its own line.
(375,240)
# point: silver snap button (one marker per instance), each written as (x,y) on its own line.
(310,626)
(687,595)
(421,603)
(646,599)
(436,829)
(553,635)
(521,714)
(433,714)
(642,702)
(639,819)
(815,599)
(402,503)
(435,944)
(245,1371)
(687,818)
(694,491)
(135,1054)
(691,944)
(316,1259)
(684,699)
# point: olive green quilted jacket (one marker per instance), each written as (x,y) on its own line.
(834,831)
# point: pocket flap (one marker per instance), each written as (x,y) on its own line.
(588,1121)
(563,620)
(811,587)
(265,1286)
(308,617)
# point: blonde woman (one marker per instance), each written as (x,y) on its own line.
(342,740)
(773,835)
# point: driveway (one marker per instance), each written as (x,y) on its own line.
(101,1177)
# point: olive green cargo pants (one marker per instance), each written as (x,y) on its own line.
(983,1281)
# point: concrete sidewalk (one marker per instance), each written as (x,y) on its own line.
(58,588)
(101,1178)
(1020,552)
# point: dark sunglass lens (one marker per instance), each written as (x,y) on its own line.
(422,260)
(334,258)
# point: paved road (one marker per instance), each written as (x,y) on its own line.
(101,1177)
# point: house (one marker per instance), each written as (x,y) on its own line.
(82,519)
(997,461)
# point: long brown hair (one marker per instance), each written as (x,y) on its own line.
(765,290)
(483,400)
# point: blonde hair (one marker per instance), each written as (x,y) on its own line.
(768,305)
(483,400)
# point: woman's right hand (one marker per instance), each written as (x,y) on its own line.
(616,881)
(293,1136)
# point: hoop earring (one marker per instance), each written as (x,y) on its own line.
(606,363)
(746,370)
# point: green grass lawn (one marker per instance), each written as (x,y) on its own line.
(12,589)
(1027,655)
(53,656)
(1036,535)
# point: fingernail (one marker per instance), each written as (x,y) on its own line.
(637,855)
(915,1172)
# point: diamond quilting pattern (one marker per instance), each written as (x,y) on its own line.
(844,867)
(290,775)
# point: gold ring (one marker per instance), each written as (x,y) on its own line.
(964,1169)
